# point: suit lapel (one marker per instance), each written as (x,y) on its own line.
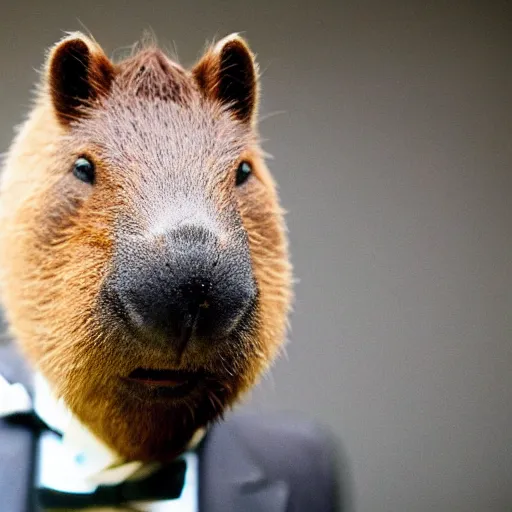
(262,496)
(231,480)
(17,444)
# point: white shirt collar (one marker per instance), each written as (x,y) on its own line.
(14,398)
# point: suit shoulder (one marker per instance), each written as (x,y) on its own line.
(294,449)
(275,435)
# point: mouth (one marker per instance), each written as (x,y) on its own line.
(175,383)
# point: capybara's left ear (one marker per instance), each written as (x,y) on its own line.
(78,72)
(228,72)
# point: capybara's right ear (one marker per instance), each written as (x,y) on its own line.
(228,73)
(78,72)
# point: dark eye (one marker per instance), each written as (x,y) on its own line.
(83,169)
(242,173)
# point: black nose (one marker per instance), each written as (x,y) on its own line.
(186,284)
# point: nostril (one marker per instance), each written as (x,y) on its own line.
(195,293)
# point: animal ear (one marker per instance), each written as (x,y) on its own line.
(228,73)
(78,72)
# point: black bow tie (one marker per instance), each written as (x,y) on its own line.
(165,484)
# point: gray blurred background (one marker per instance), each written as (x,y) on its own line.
(393,156)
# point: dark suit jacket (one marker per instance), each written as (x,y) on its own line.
(247,463)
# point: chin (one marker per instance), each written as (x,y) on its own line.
(149,409)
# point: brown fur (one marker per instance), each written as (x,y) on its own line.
(148,124)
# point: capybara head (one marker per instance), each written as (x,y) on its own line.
(143,255)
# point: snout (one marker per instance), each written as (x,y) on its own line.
(184,285)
